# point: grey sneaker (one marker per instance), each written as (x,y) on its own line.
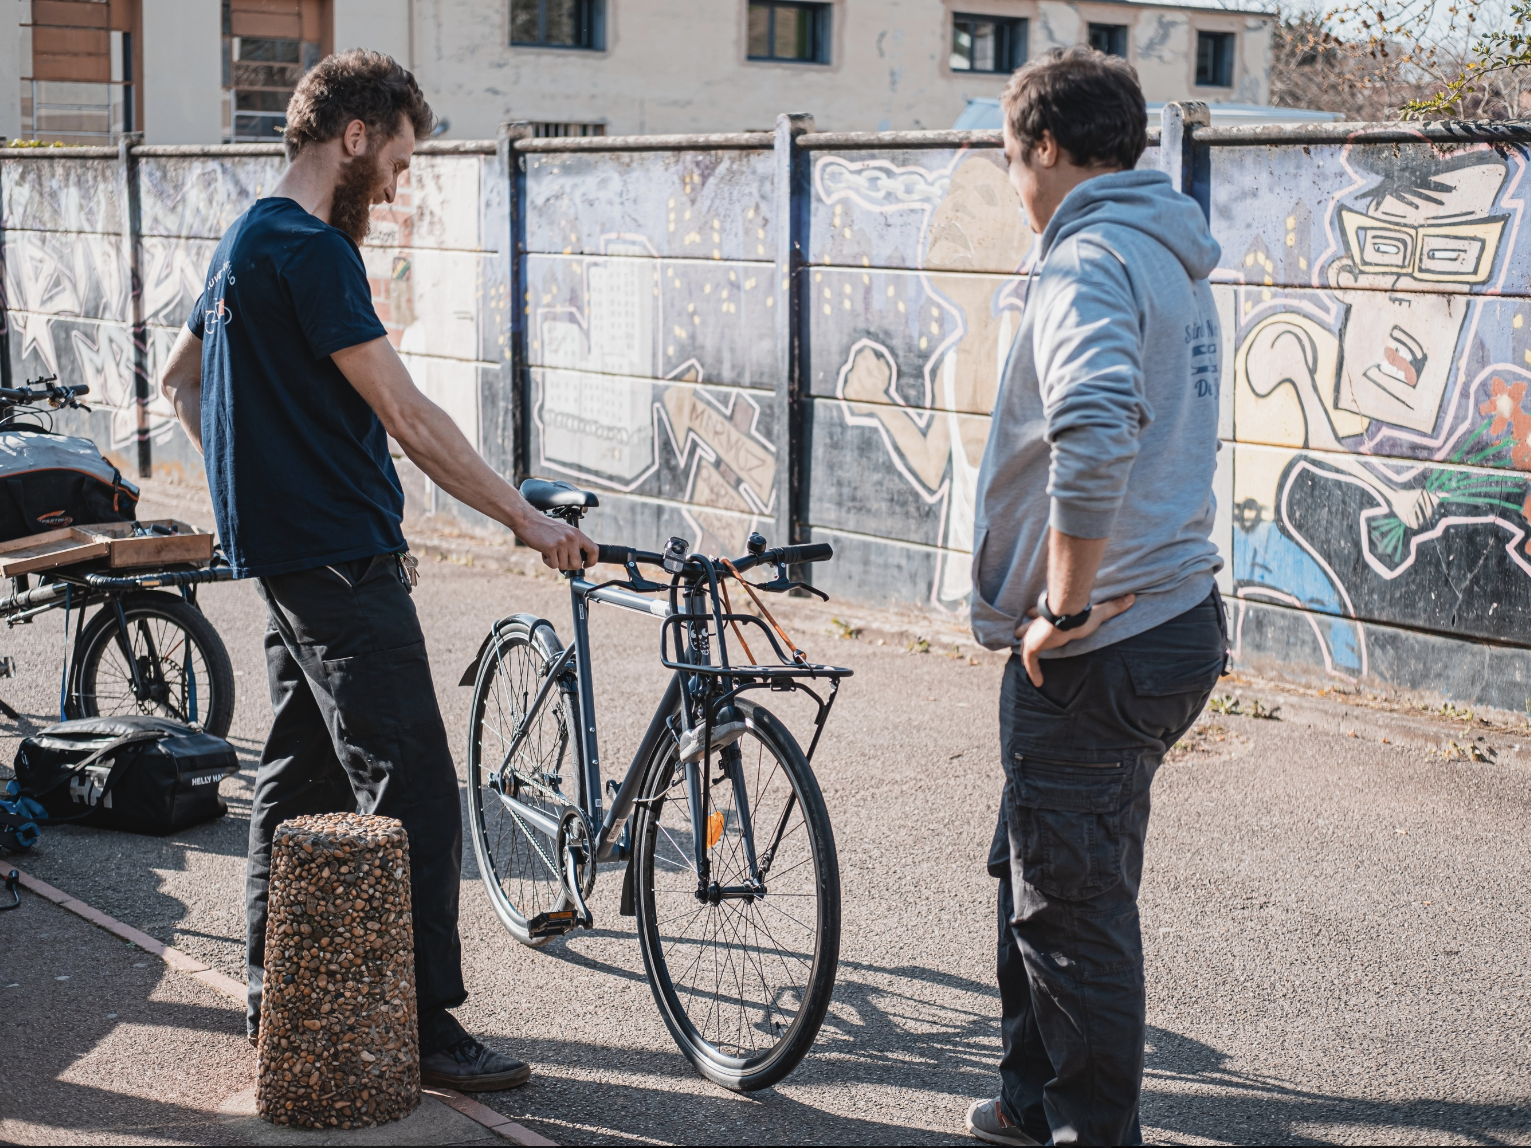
(987,1121)
(470,1067)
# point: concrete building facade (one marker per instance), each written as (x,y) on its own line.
(211,71)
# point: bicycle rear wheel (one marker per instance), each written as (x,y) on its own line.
(519,862)
(184,672)
(743,984)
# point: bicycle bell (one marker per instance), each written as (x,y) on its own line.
(755,543)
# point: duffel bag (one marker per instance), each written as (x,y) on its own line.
(137,772)
(48,481)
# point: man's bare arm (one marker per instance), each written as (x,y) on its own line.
(181,383)
(1072,564)
(433,443)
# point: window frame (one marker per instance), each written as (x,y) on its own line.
(1017,43)
(821,25)
(593,18)
(1114,31)
(1225,56)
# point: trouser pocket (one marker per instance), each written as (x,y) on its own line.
(1065,825)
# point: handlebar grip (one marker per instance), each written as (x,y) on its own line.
(810,552)
(616,555)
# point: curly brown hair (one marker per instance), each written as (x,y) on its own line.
(1090,101)
(355,85)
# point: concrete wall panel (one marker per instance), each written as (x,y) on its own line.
(200,196)
(53,273)
(1381,217)
(708,446)
(685,204)
(71,195)
(705,321)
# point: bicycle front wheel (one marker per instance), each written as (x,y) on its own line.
(170,663)
(743,983)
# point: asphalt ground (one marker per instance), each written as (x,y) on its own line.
(1335,926)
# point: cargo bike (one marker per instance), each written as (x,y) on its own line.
(72,543)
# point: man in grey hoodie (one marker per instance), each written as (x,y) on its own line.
(1095,487)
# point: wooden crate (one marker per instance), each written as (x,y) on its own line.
(112,544)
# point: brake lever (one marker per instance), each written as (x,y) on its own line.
(781,584)
(638,582)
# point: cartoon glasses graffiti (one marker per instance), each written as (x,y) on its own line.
(1454,253)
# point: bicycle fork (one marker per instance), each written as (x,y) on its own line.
(698,791)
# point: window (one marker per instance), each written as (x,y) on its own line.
(544,130)
(1214,59)
(788,31)
(267,46)
(1109,38)
(558,24)
(77,83)
(986,44)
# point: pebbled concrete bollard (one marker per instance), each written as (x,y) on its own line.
(339,1043)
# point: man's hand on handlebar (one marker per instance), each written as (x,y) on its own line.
(563,547)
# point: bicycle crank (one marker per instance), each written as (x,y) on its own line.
(576,853)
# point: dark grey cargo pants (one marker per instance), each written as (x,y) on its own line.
(1079,756)
(356,727)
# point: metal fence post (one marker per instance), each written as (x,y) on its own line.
(792,209)
(132,226)
(5,314)
(515,368)
(1187,163)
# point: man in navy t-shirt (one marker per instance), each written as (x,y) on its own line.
(285,380)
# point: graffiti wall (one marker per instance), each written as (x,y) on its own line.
(652,338)
(1379,492)
(674,328)
(70,230)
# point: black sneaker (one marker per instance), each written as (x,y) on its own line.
(470,1067)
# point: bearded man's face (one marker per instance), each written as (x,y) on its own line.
(363,181)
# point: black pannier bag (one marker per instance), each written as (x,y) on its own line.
(136,772)
(48,481)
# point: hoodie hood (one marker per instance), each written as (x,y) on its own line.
(1145,201)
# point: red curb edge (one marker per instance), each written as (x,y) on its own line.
(488,1117)
(220,982)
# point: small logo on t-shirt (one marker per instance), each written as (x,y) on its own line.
(220,314)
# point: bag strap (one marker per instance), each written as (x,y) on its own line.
(117,767)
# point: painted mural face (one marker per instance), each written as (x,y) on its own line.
(1424,232)
(1395,374)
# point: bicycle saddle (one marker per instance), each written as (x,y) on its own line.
(545,495)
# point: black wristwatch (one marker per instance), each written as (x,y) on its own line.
(1062,621)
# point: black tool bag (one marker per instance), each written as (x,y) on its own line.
(139,773)
(48,481)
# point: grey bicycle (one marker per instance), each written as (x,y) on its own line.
(729,859)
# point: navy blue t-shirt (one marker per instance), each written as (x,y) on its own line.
(296,460)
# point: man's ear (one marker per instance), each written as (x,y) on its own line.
(354,138)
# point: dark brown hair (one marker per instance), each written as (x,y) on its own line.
(355,85)
(1090,101)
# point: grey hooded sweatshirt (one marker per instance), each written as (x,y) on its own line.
(1106,421)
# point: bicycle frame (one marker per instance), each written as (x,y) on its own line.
(697,688)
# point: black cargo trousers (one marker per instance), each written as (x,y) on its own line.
(1080,754)
(357,728)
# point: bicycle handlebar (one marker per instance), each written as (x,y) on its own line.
(789,555)
(30,394)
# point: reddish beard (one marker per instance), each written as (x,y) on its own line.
(351,207)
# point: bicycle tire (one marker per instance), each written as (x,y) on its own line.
(518,865)
(725,1059)
(207,696)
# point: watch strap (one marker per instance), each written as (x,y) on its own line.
(1062,621)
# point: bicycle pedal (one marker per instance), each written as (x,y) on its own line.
(554,924)
(722,736)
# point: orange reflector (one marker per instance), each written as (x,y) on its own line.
(714,828)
